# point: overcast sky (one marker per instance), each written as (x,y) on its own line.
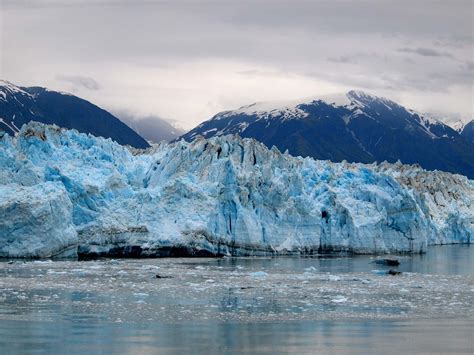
(187,60)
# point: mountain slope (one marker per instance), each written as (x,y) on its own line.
(468,132)
(19,105)
(356,127)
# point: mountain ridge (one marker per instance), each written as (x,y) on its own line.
(19,105)
(357,127)
(468,131)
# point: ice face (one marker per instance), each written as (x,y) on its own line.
(224,195)
(36,221)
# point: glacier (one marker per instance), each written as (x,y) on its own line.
(64,193)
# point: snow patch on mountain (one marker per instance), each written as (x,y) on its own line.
(355,101)
(362,99)
(7,88)
(294,109)
(427,123)
(458,126)
(264,110)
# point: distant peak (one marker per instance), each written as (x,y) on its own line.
(12,88)
(356,98)
(365,97)
(289,109)
(339,99)
(7,84)
(360,94)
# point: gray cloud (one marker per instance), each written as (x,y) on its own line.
(426,52)
(79,82)
(342,59)
(189,59)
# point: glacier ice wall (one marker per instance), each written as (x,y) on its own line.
(36,221)
(224,195)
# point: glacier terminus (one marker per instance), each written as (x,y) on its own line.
(65,193)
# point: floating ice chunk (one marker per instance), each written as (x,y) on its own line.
(259,274)
(339,299)
(96,267)
(150,267)
(140,294)
(78,272)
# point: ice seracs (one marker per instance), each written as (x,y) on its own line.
(220,196)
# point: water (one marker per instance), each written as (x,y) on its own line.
(238,305)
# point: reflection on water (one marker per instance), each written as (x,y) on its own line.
(289,305)
(440,260)
(380,337)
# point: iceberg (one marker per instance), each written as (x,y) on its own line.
(68,193)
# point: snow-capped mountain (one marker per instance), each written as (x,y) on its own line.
(19,105)
(64,193)
(356,127)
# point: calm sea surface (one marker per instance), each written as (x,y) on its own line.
(240,305)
